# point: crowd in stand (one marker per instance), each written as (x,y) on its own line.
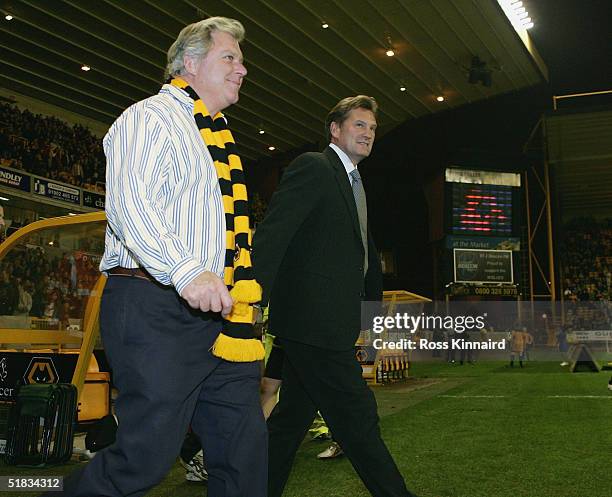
(49,147)
(33,283)
(586,257)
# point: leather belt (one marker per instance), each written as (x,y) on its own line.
(135,272)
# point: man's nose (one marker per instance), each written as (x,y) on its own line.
(241,69)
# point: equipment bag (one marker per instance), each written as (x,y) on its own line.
(41,425)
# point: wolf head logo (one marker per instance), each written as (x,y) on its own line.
(3,370)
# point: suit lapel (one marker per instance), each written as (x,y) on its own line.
(345,187)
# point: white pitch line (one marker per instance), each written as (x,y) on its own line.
(607,397)
(473,396)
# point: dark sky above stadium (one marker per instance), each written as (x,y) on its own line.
(574,38)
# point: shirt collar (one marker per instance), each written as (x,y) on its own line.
(181,96)
(178,94)
(346,162)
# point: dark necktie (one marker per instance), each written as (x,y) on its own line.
(362,212)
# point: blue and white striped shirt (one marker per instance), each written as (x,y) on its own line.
(163,202)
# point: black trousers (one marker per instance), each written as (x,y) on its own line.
(159,350)
(331,382)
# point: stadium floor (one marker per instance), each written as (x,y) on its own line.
(481,430)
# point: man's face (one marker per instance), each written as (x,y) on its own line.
(217,77)
(355,136)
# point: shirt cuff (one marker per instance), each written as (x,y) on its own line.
(184,272)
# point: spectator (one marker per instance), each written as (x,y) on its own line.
(53,307)
(24,304)
(49,147)
(54,283)
(2,224)
(586,260)
(9,297)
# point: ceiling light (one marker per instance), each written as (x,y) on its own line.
(324,25)
(85,68)
(4,198)
(271,148)
(71,214)
(402,88)
(517,14)
(389,46)
(8,17)
(440,98)
(261,131)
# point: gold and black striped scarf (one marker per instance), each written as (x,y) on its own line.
(237,341)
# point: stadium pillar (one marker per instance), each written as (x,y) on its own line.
(540,241)
(549,231)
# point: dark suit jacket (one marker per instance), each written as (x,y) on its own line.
(308,255)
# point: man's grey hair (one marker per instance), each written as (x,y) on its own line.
(341,110)
(195,40)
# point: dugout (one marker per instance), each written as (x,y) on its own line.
(53,341)
(384,365)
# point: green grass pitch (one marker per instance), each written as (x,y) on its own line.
(481,430)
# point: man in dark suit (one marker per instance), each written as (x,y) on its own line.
(316,260)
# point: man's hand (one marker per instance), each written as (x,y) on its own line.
(207,292)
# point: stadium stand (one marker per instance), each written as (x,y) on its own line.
(38,283)
(49,147)
(586,259)
(587,278)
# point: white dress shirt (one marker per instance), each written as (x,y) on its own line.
(163,202)
(363,222)
(346,162)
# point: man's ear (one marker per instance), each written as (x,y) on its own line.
(191,64)
(334,129)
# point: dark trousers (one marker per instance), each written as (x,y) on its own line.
(159,350)
(330,381)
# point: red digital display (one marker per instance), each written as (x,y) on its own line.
(481,209)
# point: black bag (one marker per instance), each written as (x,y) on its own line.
(41,425)
(101,434)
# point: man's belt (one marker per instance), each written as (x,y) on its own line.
(135,272)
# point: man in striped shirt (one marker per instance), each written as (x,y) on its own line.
(165,296)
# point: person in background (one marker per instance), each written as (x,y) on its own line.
(519,339)
(9,296)
(25,297)
(2,224)
(563,345)
(270,386)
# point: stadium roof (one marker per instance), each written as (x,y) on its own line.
(297,69)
